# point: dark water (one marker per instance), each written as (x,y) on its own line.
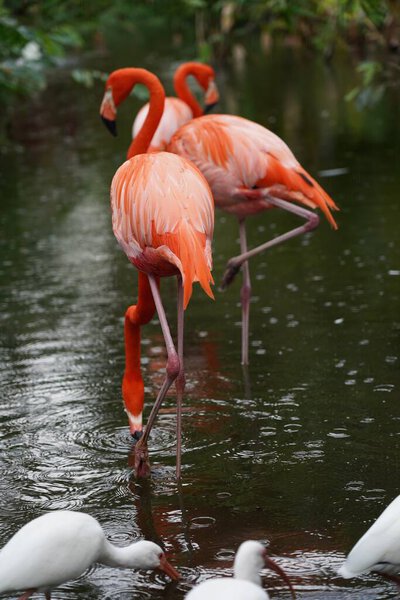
(302,450)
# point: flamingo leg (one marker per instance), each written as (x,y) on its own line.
(312,221)
(180,380)
(142,466)
(245,294)
(27,594)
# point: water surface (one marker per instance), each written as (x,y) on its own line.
(300,450)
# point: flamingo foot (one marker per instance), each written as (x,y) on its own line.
(232,269)
(142,463)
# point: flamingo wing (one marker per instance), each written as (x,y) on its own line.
(236,155)
(176,113)
(163,212)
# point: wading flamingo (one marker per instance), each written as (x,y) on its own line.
(177,111)
(60,546)
(250,169)
(163,218)
(246,582)
(379,548)
(118,87)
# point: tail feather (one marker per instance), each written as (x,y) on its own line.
(189,246)
(193,257)
(299,183)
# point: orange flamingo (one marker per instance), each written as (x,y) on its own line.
(250,169)
(177,111)
(118,87)
(163,218)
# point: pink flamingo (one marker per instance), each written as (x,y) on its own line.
(250,169)
(163,218)
(176,111)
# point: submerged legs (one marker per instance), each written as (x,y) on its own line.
(180,380)
(240,261)
(245,294)
(142,466)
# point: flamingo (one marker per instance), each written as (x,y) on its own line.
(250,558)
(177,111)
(378,550)
(163,218)
(61,545)
(118,87)
(250,169)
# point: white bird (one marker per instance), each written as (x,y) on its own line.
(60,546)
(379,548)
(250,558)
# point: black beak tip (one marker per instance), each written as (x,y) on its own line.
(208,107)
(111,125)
(137,435)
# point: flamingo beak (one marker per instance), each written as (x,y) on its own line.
(274,567)
(108,112)
(211,97)
(168,568)
(111,125)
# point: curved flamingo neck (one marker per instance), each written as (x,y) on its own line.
(139,314)
(132,382)
(182,89)
(142,141)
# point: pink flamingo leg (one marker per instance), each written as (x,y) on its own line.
(142,465)
(180,380)
(245,294)
(312,221)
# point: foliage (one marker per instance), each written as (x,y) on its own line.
(27,50)
(35,34)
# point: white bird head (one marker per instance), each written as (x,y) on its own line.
(148,555)
(250,558)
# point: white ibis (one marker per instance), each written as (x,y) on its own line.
(60,546)
(246,582)
(379,548)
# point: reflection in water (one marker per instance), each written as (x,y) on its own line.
(299,452)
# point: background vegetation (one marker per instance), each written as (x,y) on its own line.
(36,35)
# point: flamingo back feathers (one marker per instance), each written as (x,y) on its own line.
(163,214)
(235,154)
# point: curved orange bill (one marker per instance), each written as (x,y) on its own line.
(274,567)
(168,569)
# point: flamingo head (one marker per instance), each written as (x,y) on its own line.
(118,87)
(205,75)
